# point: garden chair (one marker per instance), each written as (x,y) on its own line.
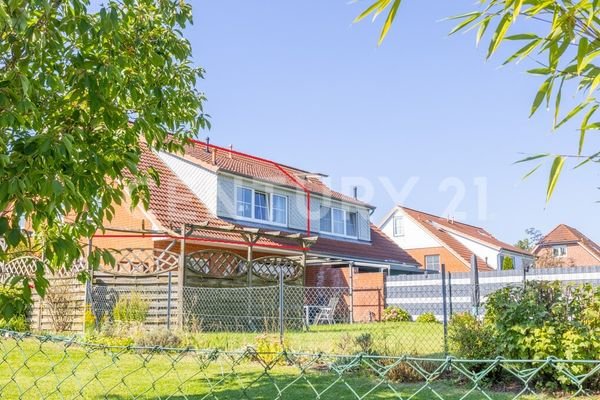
(326,313)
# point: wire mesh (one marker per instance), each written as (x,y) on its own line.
(53,367)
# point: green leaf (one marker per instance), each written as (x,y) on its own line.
(527,175)
(572,113)
(523,36)
(581,51)
(541,94)
(378,5)
(530,158)
(482,28)
(586,59)
(584,124)
(588,159)
(555,171)
(498,36)
(523,51)
(464,23)
(389,21)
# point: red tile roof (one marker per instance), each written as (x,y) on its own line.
(461,251)
(262,169)
(476,233)
(173,204)
(567,234)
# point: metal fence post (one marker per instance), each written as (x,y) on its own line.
(181,278)
(169,276)
(450,311)
(281,305)
(351,265)
(444,309)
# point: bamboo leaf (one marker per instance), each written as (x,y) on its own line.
(389,21)
(523,36)
(482,28)
(572,113)
(587,160)
(523,51)
(581,50)
(557,102)
(585,60)
(527,175)
(372,8)
(541,94)
(464,23)
(531,158)
(584,124)
(501,30)
(555,171)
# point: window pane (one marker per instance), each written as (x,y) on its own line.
(325,219)
(432,263)
(244,202)
(279,209)
(338,221)
(398,226)
(261,206)
(351,218)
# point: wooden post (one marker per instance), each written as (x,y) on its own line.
(249,261)
(181,278)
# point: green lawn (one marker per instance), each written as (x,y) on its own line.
(391,338)
(30,370)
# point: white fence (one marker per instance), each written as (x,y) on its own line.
(419,294)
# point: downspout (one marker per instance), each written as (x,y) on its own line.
(290,176)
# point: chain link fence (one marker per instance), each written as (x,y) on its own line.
(51,367)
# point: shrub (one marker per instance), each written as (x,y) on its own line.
(508,264)
(471,338)
(364,342)
(131,308)
(546,320)
(13,303)
(395,314)
(158,337)
(427,317)
(18,324)
(268,349)
(89,320)
(58,302)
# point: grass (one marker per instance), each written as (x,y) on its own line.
(396,337)
(31,369)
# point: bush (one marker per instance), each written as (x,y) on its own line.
(13,303)
(395,314)
(131,308)
(546,320)
(157,337)
(471,338)
(268,349)
(427,317)
(18,324)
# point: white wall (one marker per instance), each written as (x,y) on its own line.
(481,250)
(414,237)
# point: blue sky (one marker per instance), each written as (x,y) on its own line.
(297,82)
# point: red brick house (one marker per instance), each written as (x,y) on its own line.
(566,246)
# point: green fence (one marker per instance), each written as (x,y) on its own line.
(51,367)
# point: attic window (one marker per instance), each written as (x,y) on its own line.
(559,251)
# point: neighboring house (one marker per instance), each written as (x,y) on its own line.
(222,189)
(433,240)
(566,246)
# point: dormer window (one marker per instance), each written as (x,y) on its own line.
(339,222)
(261,206)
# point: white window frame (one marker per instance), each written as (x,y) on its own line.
(270,196)
(560,249)
(345,219)
(439,263)
(401,219)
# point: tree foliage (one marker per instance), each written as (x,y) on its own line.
(562,41)
(533,238)
(81,90)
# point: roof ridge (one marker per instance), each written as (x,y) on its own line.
(437,216)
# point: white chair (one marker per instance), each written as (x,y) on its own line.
(327,312)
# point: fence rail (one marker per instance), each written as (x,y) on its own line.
(52,367)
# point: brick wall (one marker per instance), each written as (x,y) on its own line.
(576,255)
(453,264)
(368,303)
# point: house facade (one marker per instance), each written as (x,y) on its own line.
(565,246)
(433,241)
